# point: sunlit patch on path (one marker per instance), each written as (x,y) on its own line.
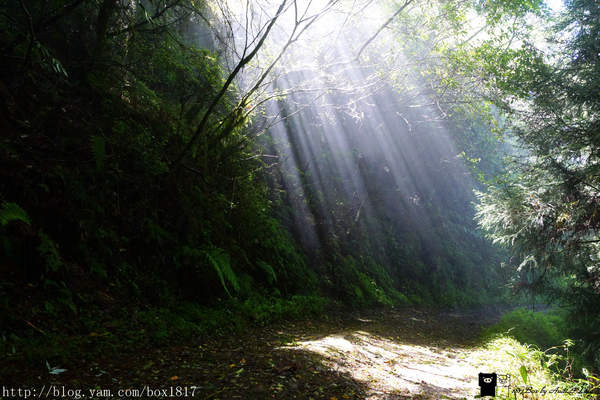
(394,370)
(395,367)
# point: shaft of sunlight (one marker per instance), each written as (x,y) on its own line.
(350,145)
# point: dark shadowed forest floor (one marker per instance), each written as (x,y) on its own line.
(387,354)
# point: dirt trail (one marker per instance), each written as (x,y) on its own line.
(407,354)
(392,354)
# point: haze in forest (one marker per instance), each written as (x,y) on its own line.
(176,171)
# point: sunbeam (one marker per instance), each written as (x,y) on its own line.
(364,147)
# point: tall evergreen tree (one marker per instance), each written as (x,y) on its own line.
(548,205)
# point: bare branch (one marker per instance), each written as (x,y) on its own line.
(382,27)
(230,78)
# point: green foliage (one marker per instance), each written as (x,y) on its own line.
(539,371)
(359,289)
(544,207)
(12,212)
(163,325)
(497,11)
(220,261)
(263,310)
(523,371)
(543,329)
(269,271)
(48,250)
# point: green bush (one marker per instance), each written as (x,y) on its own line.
(263,310)
(543,329)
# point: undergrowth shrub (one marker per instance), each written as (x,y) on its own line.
(543,329)
(357,285)
(537,374)
(263,310)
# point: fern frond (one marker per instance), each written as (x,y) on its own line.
(271,276)
(220,261)
(12,212)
